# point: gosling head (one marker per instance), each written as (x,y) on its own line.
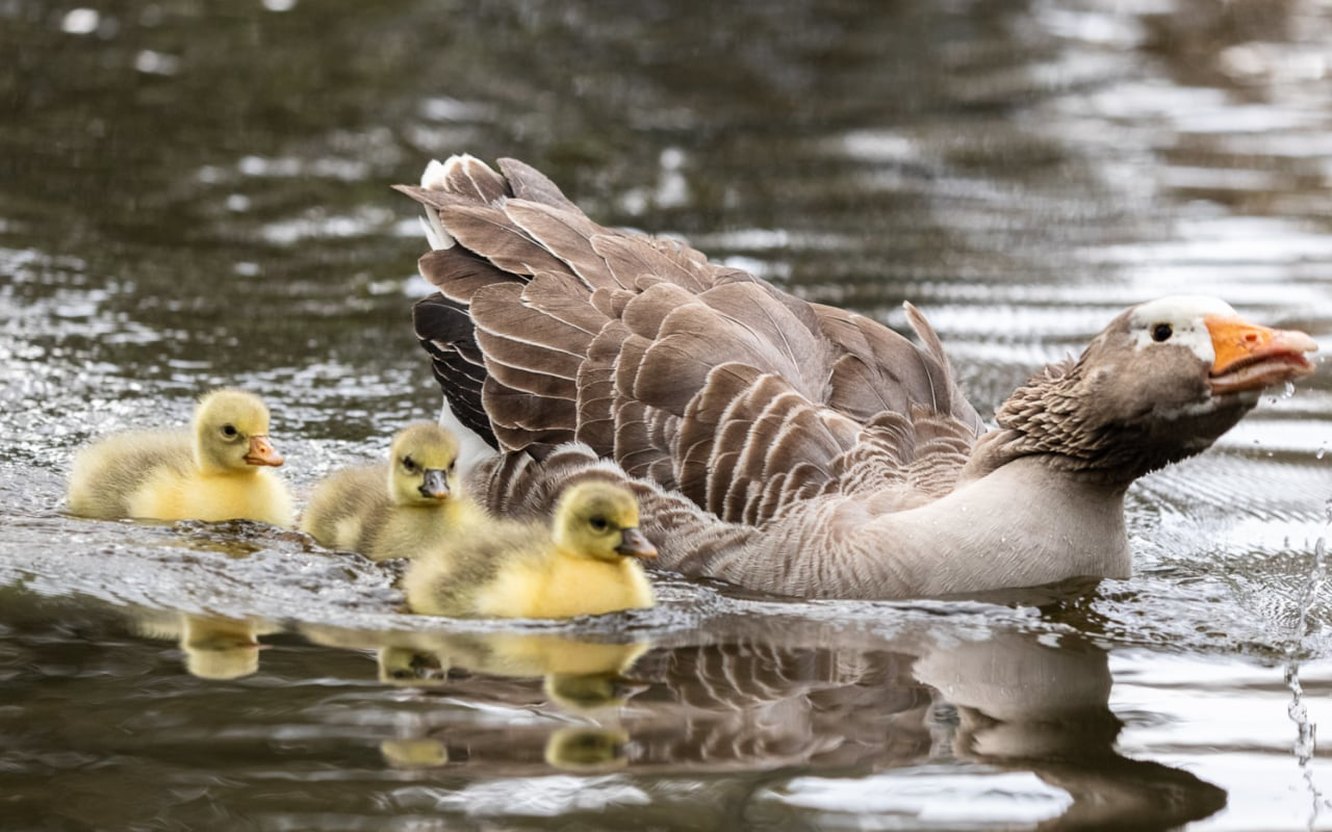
(231,433)
(423,466)
(600,520)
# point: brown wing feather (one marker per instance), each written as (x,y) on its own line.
(567,235)
(684,371)
(491,234)
(531,184)
(698,446)
(446,332)
(629,257)
(458,274)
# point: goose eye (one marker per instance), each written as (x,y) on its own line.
(598,523)
(408,464)
(229,431)
(1162,332)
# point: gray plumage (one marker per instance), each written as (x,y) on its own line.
(785,445)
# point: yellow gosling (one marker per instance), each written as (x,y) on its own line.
(585,563)
(216,470)
(421,506)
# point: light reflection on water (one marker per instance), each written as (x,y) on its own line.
(197,197)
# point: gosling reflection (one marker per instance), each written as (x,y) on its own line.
(404,666)
(578,675)
(581,677)
(587,750)
(413,753)
(215,648)
(526,672)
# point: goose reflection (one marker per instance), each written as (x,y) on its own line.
(798,699)
(1009,701)
(1025,705)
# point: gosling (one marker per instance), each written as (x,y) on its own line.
(216,470)
(586,563)
(421,506)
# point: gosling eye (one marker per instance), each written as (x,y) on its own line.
(599,523)
(409,465)
(1162,332)
(230,432)
(453,465)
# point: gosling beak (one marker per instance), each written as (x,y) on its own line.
(632,542)
(262,452)
(1251,357)
(434,484)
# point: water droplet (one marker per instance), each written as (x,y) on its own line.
(1288,390)
(1318,454)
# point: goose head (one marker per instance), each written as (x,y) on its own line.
(600,520)
(423,466)
(231,433)
(1162,382)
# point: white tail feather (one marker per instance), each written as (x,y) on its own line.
(472,449)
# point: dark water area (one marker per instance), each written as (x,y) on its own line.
(196,194)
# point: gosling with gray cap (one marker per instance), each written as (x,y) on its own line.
(394,510)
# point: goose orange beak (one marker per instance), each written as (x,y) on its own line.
(1251,357)
(632,542)
(262,452)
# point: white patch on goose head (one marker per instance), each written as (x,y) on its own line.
(1179,320)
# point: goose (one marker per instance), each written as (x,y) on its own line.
(792,447)
(214,471)
(584,563)
(422,503)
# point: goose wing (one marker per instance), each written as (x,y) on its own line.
(549,328)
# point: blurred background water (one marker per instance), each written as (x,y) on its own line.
(195,194)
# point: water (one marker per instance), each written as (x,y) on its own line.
(194,195)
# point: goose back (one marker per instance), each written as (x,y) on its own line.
(549,328)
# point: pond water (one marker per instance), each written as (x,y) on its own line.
(196,194)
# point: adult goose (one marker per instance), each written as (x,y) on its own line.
(789,446)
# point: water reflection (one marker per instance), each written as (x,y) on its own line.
(787,715)
(1030,706)
(812,710)
(579,676)
(214,647)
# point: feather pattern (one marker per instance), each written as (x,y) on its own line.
(696,375)
(785,445)
(447,334)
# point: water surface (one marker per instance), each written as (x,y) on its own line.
(196,194)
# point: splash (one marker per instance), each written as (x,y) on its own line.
(1306,730)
